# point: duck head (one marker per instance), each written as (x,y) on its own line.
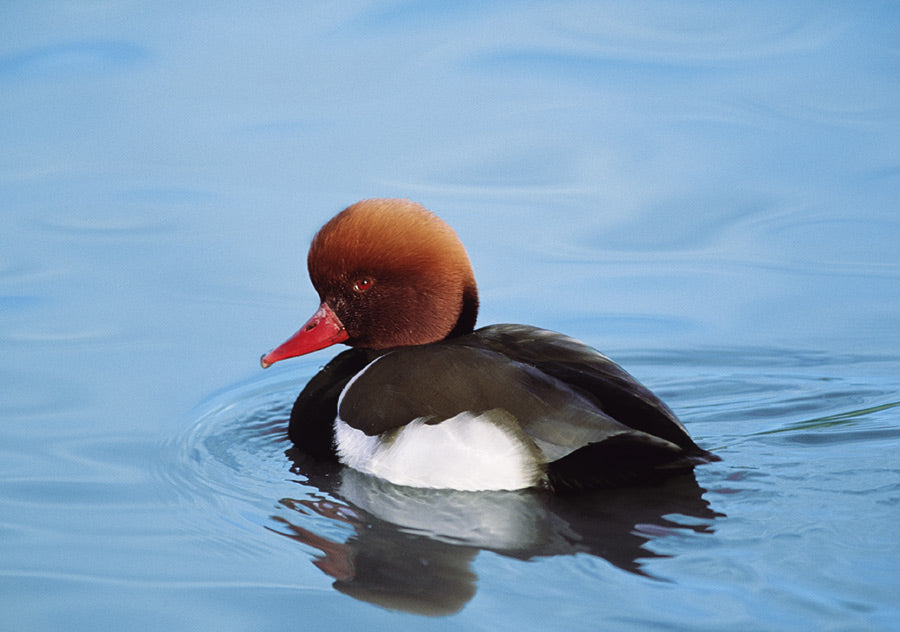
(388,273)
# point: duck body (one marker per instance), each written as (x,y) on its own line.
(500,407)
(505,407)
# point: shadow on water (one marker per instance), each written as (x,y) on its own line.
(411,549)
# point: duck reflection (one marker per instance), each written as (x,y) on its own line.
(412,548)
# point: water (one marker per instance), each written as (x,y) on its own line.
(706,192)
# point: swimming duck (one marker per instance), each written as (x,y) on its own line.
(424,399)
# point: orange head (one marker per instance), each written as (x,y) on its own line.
(389,273)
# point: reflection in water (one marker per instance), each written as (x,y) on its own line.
(412,547)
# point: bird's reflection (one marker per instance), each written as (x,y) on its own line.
(411,549)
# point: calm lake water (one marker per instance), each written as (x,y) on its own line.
(708,192)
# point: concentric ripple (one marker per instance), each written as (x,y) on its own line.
(232,462)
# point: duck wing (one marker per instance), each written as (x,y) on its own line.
(588,372)
(439,381)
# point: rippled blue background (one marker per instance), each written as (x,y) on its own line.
(706,191)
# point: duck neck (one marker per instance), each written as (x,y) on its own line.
(468,314)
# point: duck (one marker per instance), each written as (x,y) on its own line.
(424,399)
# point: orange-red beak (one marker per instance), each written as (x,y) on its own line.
(322,330)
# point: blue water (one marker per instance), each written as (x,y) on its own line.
(708,192)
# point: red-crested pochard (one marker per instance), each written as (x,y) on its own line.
(422,399)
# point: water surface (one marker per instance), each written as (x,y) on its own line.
(706,192)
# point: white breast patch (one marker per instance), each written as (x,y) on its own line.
(466,452)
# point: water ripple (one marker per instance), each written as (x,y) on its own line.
(116,224)
(236,445)
(237,463)
(71,59)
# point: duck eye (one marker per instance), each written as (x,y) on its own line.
(362,284)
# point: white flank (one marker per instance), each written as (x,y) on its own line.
(466,452)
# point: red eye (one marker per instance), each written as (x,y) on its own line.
(363,284)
